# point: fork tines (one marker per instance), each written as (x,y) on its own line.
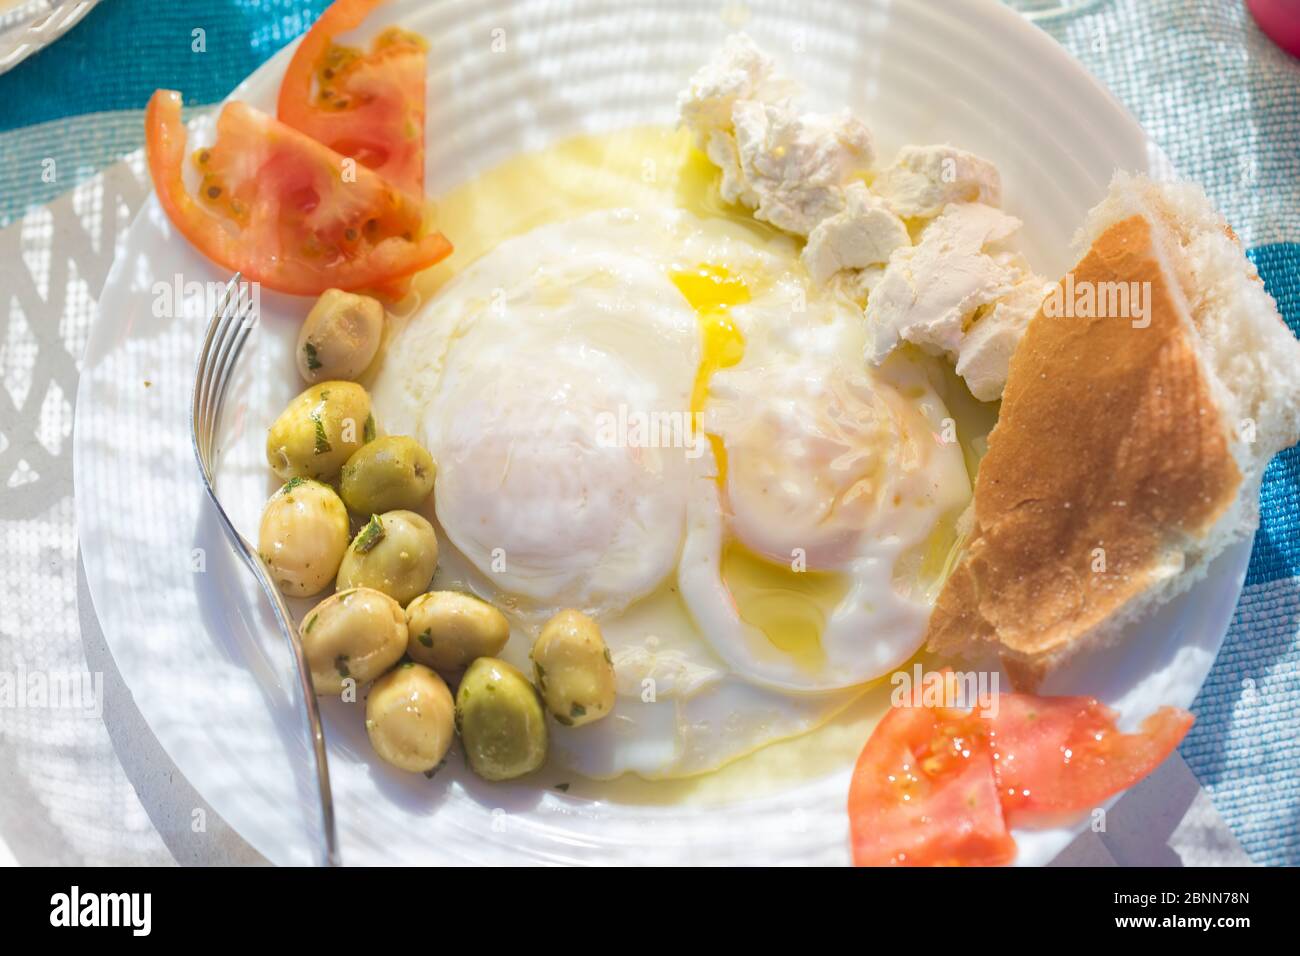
(231,323)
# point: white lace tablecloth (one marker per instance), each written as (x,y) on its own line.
(83,781)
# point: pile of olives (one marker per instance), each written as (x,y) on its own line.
(383,626)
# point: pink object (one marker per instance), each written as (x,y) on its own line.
(1280,20)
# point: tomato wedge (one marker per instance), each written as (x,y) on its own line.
(1064,754)
(937,786)
(367,105)
(284,210)
(923,794)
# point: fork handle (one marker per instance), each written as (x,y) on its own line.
(317,733)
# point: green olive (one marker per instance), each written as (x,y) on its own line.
(573,669)
(448,631)
(302,536)
(340,336)
(319,431)
(387,474)
(410,718)
(396,552)
(500,720)
(357,634)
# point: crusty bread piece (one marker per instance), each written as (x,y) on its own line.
(1124,459)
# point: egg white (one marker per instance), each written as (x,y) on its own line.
(503,376)
(830,465)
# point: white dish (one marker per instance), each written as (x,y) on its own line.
(187,630)
(29,26)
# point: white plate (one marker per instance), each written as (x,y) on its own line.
(29,26)
(199,650)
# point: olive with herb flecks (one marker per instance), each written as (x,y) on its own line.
(358,633)
(319,431)
(391,473)
(448,630)
(340,336)
(302,536)
(410,718)
(396,553)
(574,670)
(501,721)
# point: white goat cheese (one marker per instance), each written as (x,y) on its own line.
(796,166)
(924,179)
(930,288)
(739,71)
(787,166)
(984,355)
(863,233)
(957,292)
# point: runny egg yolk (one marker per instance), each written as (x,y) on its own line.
(711,291)
(791,607)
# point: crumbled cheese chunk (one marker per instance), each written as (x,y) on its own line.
(860,283)
(796,165)
(789,167)
(861,234)
(739,71)
(984,356)
(957,292)
(924,179)
(931,292)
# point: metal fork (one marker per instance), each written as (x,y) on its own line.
(218,358)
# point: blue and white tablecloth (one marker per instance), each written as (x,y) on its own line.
(1221,100)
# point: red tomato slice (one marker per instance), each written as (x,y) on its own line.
(923,794)
(1058,755)
(369,106)
(935,786)
(284,210)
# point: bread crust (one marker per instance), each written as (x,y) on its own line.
(1108,462)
